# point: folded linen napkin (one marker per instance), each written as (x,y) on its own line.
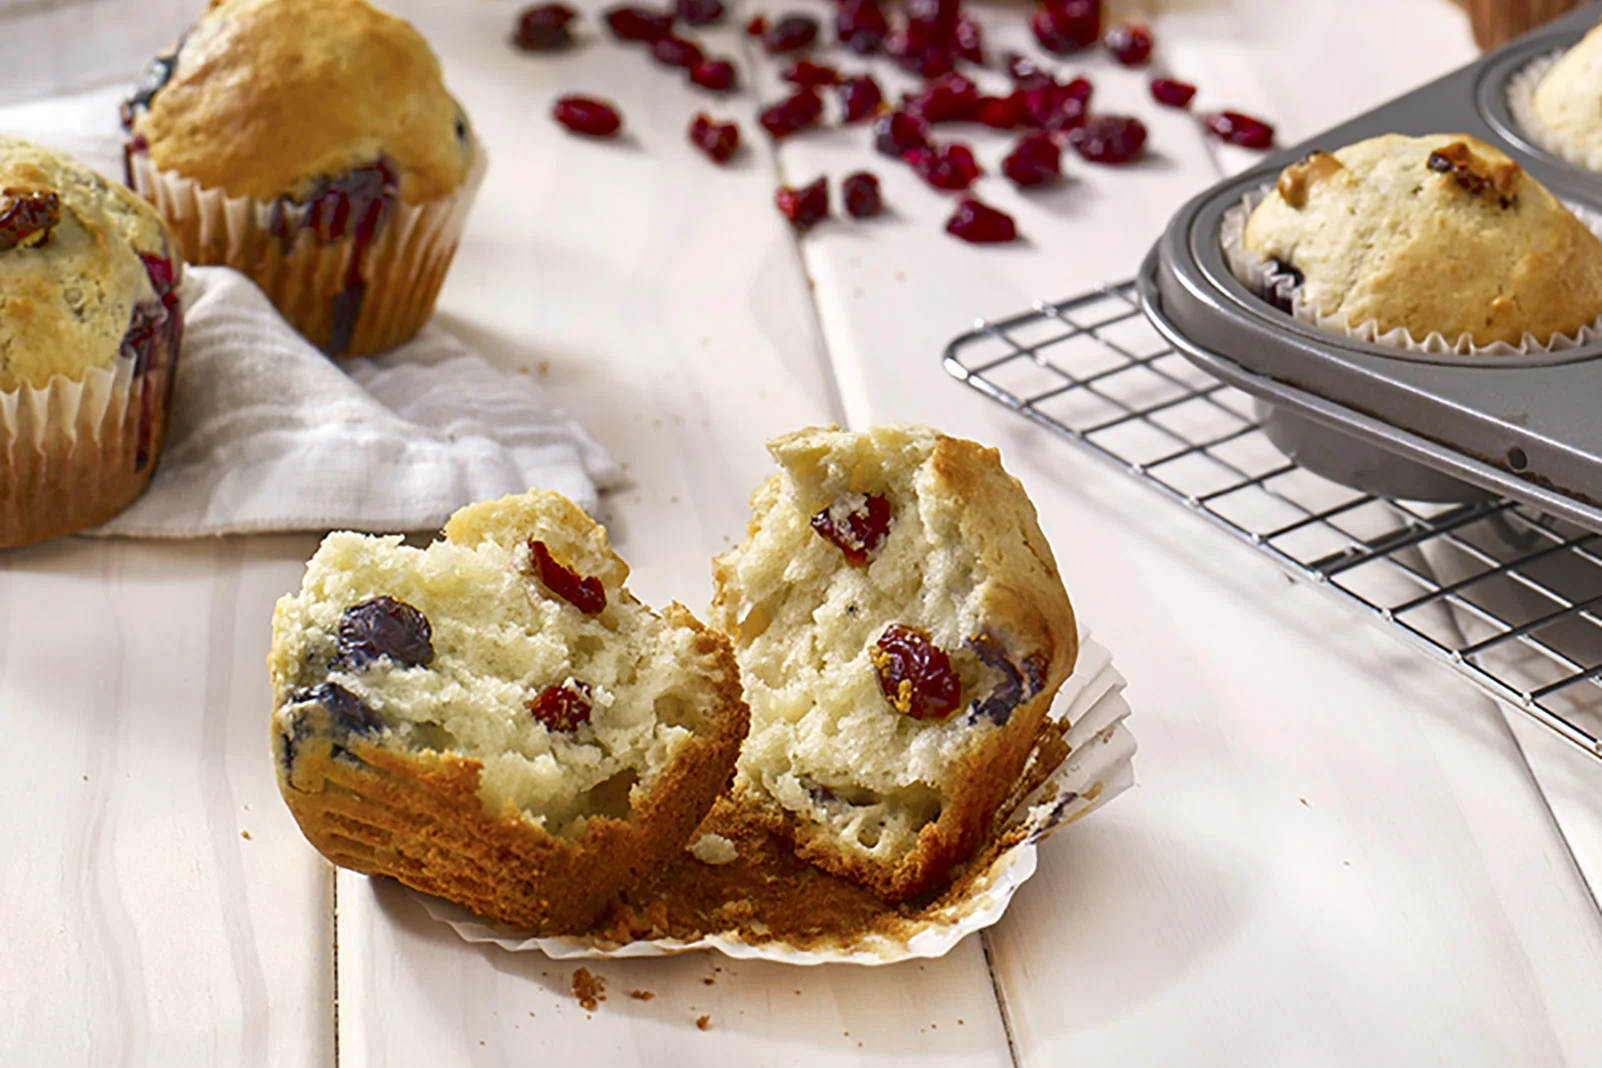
(268,434)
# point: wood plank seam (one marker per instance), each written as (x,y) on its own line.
(1001,1001)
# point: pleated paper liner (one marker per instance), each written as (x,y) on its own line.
(346,299)
(784,910)
(75,452)
(1263,277)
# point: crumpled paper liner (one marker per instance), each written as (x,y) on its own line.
(71,454)
(1098,767)
(1258,273)
(399,274)
(1521,103)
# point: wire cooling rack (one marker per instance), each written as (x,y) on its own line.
(1509,597)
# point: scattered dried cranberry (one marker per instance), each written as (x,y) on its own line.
(561,708)
(804,207)
(861,26)
(756,27)
(795,113)
(856,524)
(810,75)
(583,592)
(915,675)
(980,224)
(1002,112)
(1025,72)
(720,140)
(1057,107)
(698,12)
(861,194)
(969,40)
(587,115)
(543,28)
(930,64)
(714,74)
(1174,94)
(949,98)
(384,627)
(790,33)
(27,217)
(949,167)
(1130,43)
(860,98)
(898,133)
(1036,160)
(638,23)
(1109,139)
(1064,26)
(1241,130)
(676,52)
(931,25)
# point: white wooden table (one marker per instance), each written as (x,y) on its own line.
(1338,854)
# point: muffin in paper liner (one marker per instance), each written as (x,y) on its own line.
(346,296)
(1521,103)
(1282,289)
(1098,766)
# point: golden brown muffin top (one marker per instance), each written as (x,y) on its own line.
(267,97)
(1439,234)
(70,266)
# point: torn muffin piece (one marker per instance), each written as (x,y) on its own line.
(495,718)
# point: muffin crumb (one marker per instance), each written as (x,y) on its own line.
(703,1022)
(642,995)
(589,989)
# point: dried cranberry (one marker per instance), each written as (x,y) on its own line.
(561,708)
(810,75)
(27,217)
(1064,26)
(856,524)
(714,74)
(543,28)
(1002,112)
(588,116)
(676,52)
(720,140)
(583,592)
(350,712)
(969,40)
(1241,130)
(860,98)
(1025,72)
(804,207)
(861,26)
(756,27)
(1109,139)
(1036,160)
(698,12)
(1174,94)
(790,33)
(861,194)
(1057,107)
(931,25)
(926,65)
(384,627)
(1130,43)
(638,23)
(915,675)
(898,133)
(798,112)
(980,224)
(949,167)
(946,99)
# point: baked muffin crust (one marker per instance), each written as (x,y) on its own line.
(1438,234)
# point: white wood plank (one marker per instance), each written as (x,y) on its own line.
(142,926)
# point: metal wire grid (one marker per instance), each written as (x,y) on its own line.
(1510,598)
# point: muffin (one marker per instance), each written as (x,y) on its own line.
(90,323)
(901,629)
(1429,235)
(495,719)
(1566,108)
(310,144)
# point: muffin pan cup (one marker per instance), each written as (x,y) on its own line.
(1419,426)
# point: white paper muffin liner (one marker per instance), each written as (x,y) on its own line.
(1521,103)
(401,270)
(1099,767)
(1258,273)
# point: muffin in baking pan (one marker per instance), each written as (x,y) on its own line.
(312,145)
(90,324)
(495,718)
(1413,237)
(1567,101)
(901,629)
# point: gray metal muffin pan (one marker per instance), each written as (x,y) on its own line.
(1399,424)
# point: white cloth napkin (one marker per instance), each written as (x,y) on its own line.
(267,434)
